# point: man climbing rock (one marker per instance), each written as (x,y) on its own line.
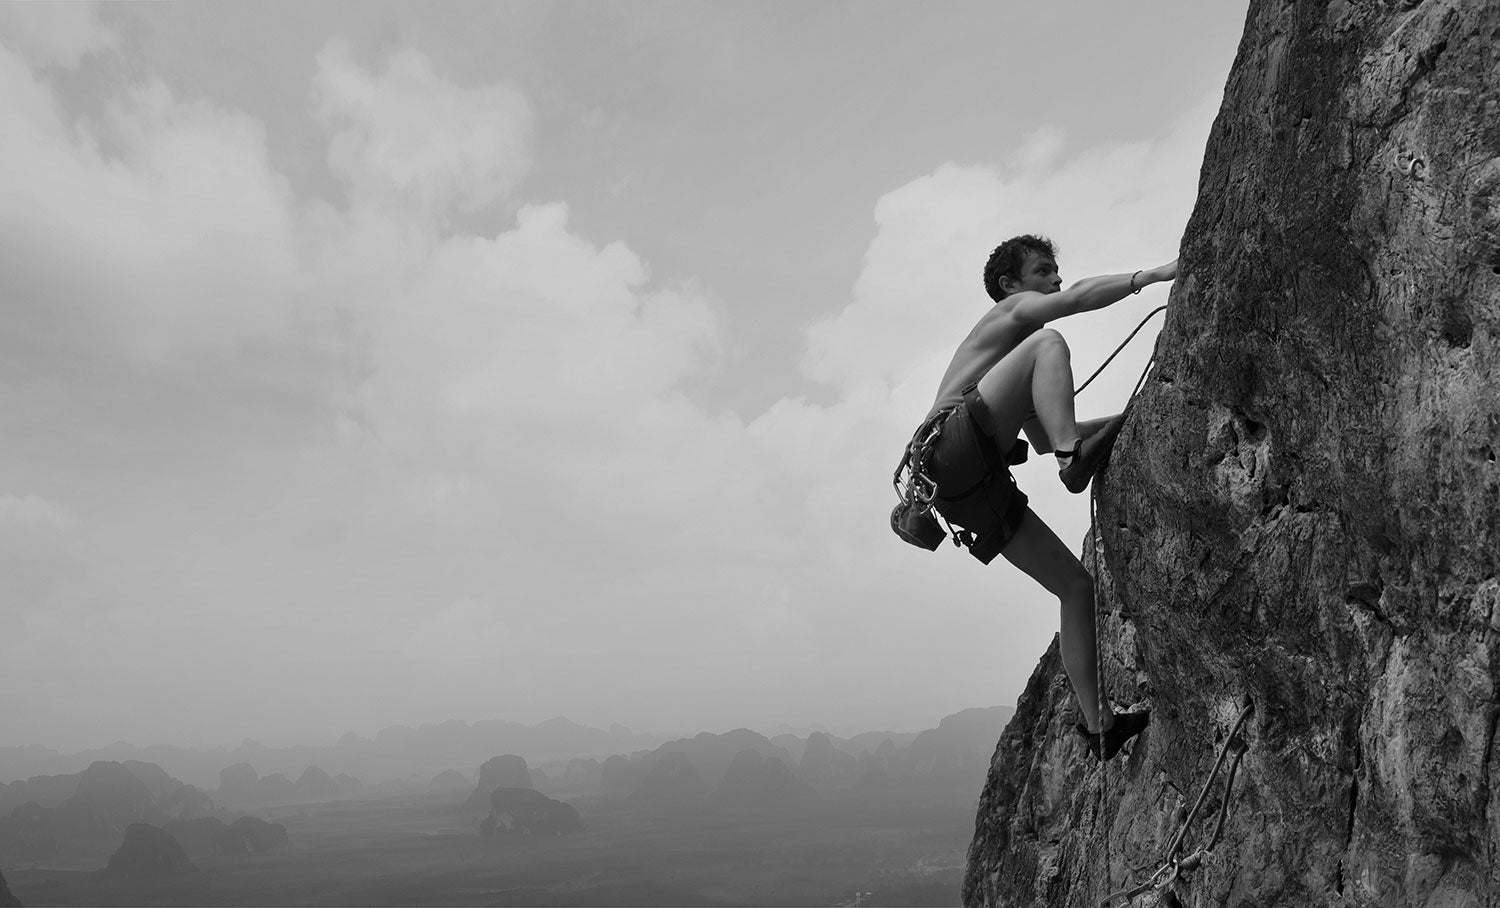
(1013,374)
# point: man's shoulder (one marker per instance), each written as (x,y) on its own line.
(1002,315)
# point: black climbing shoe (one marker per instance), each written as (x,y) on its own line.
(1090,455)
(1127,726)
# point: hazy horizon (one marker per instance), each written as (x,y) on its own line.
(367,364)
(801,731)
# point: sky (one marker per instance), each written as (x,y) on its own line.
(389,363)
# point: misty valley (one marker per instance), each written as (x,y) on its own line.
(555,814)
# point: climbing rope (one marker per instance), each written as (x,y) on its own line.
(1172,866)
(1111,357)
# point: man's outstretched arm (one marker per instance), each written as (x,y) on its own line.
(1089,294)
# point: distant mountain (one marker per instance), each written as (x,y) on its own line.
(449,780)
(396,752)
(504,771)
(672,779)
(240,785)
(754,782)
(527,812)
(956,752)
(148,852)
(824,766)
(211,837)
(959,744)
(75,820)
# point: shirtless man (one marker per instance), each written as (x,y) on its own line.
(1013,374)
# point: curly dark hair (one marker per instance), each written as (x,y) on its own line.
(1009,256)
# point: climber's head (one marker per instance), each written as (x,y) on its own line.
(1024,262)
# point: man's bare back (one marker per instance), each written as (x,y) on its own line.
(995,334)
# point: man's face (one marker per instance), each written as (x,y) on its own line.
(1039,273)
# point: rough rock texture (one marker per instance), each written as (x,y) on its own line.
(1304,507)
(7,900)
(148,852)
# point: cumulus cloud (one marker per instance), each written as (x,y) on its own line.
(1110,208)
(155,228)
(53,34)
(508,426)
(408,136)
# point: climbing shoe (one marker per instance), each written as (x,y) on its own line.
(1127,726)
(1091,454)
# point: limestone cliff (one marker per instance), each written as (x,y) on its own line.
(1303,511)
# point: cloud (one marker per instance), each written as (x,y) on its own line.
(500,422)
(465,629)
(32,512)
(1110,208)
(155,228)
(409,137)
(54,34)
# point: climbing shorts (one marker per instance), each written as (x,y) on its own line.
(975,488)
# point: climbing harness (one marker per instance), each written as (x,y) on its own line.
(915,517)
(1173,867)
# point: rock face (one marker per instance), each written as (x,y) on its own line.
(1302,509)
(148,852)
(525,811)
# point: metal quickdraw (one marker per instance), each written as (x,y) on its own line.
(913,518)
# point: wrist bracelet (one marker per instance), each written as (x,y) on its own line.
(1133,287)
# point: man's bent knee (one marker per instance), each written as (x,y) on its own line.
(1051,338)
(1075,586)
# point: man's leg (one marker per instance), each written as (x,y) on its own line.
(1041,444)
(1036,550)
(1037,374)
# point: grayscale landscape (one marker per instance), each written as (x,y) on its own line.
(717,819)
(447,447)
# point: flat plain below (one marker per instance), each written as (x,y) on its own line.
(872,848)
